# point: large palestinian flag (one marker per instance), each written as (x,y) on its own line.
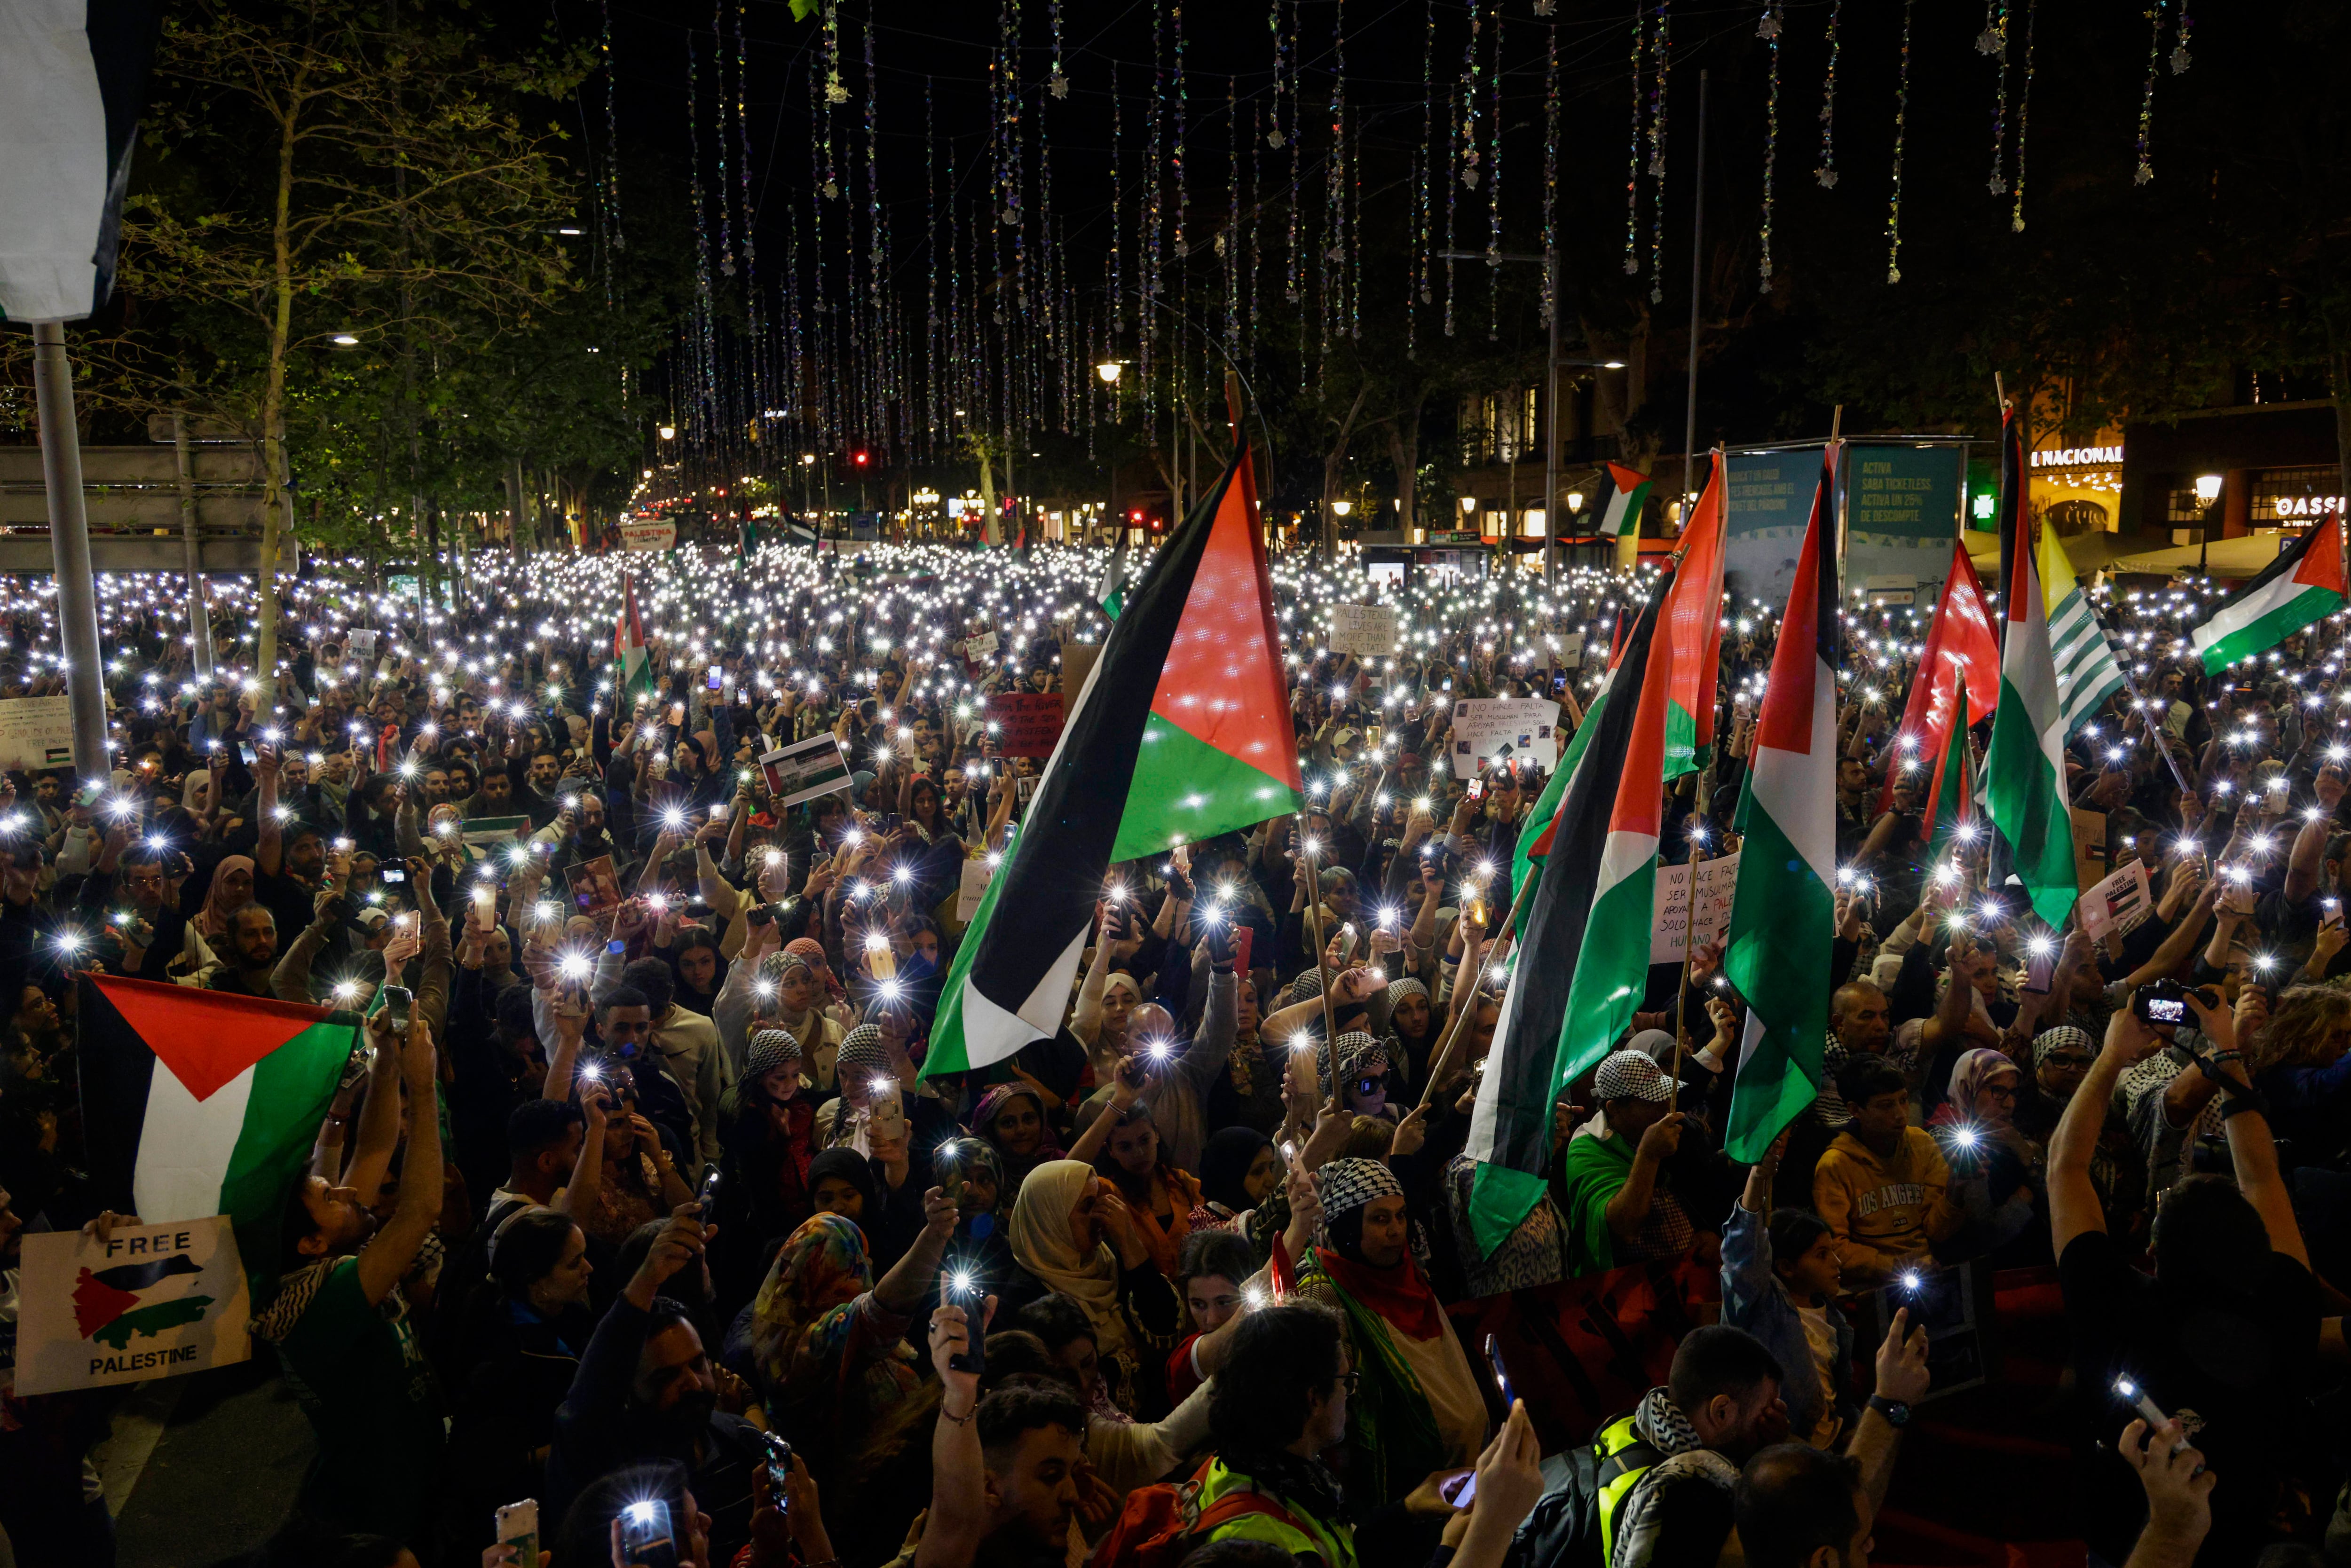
(1694,622)
(636,676)
(1181,731)
(1782,914)
(2303,585)
(1620,509)
(200,1102)
(1584,959)
(2025,766)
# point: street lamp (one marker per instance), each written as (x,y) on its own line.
(1342,509)
(2208,488)
(1109,370)
(668,432)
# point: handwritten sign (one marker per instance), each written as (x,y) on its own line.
(655,536)
(976,875)
(151,1301)
(983,646)
(1027,723)
(37,732)
(1678,893)
(1498,729)
(1363,628)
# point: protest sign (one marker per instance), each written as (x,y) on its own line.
(1027,723)
(595,886)
(650,534)
(983,646)
(972,888)
(2119,905)
(1571,651)
(805,770)
(151,1301)
(488,833)
(37,732)
(1678,892)
(2089,847)
(1363,629)
(361,642)
(1495,729)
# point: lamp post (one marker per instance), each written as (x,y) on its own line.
(2208,495)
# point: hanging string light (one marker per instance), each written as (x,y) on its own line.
(2181,58)
(607,193)
(718,90)
(1769,28)
(1633,158)
(1056,83)
(1452,195)
(1494,198)
(1419,291)
(1827,172)
(1273,137)
(1662,50)
(1334,269)
(1468,101)
(2023,116)
(1901,131)
(1117,213)
(834,91)
(2146,170)
(1550,165)
(1228,247)
(1994,42)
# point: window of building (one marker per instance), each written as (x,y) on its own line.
(2290,497)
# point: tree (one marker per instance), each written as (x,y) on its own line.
(402,199)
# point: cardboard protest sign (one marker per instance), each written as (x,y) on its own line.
(37,732)
(151,1301)
(595,886)
(979,648)
(1680,892)
(977,874)
(1027,723)
(1495,729)
(805,770)
(653,535)
(1363,629)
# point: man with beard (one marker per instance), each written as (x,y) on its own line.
(1005,1470)
(244,969)
(495,797)
(158,927)
(646,1390)
(340,1319)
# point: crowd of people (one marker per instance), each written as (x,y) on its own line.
(650,1215)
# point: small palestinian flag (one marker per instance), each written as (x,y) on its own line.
(2025,766)
(1182,732)
(629,647)
(751,539)
(1583,962)
(1111,592)
(1952,791)
(1620,510)
(201,1102)
(2303,586)
(1693,621)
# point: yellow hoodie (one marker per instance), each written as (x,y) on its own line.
(1884,1211)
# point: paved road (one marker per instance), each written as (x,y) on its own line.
(200,1469)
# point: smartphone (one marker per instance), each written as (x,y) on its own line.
(645,1538)
(715,674)
(362,1058)
(1477,790)
(2148,1408)
(779,1471)
(2040,968)
(1244,939)
(1501,1372)
(244,749)
(516,1525)
(1460,1489)
(676,715)
(963,1290)
(398,1002)
(719,810)
(486,906)
(706,1200)
(761,914)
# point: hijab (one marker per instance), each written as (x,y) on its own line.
(1399,1295)
(811,951)
(848,1166)
(1225,1162)
(1042,1245)
(820,1266)
(212,920)
(983,1125)
(1973,1070)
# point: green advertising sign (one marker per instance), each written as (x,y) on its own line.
(1902,516)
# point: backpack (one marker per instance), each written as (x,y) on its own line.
(1160,1524)
(1569,1527)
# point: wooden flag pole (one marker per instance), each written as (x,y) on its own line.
(1443,1061)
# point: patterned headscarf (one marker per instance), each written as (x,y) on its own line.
(1358,1053)
(813,950)
(863,1052)
(991,1106)
(822,1265)
(1346,1185)
(1407,986)
(2065,1034)
(770,1049)
(1974,1070)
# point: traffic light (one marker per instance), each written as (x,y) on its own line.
(858,458)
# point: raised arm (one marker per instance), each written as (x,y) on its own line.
(393,1250)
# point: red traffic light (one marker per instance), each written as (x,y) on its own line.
(858,458)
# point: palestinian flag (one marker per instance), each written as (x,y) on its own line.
(1782,913)
(2087,673)
(750,535)
(1111,591)
(1961,646)
(1620,509)
(200,1102)
(1694,625)
(799,533)
(1182,730)
(2303,586)
(628,646)
(1533,847)
(1583,962)
(1951,793)
(2025,766)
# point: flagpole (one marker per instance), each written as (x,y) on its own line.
(1443,1061)
(1682,974)
(1314,915)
